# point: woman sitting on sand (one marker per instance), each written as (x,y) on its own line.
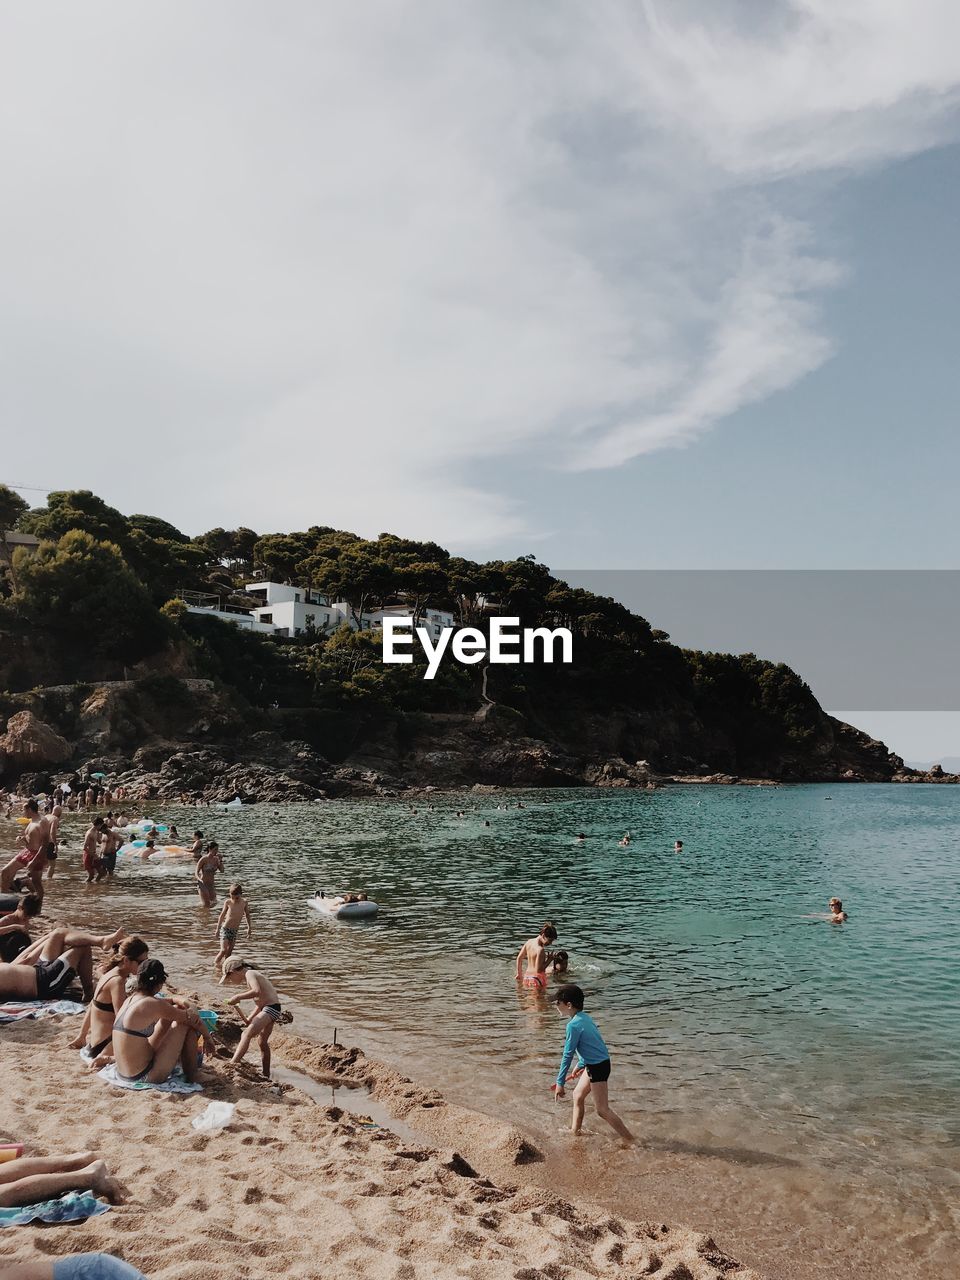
(46,969)
(151,1036)
(96,1032)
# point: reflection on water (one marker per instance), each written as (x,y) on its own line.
(743,1033)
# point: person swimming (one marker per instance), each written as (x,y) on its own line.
(837,913)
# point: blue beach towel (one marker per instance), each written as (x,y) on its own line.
(17,1010)
(174,1083)
(75,1206)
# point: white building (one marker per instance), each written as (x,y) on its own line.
(210,606)
(433,619)
(293,611)
(283,610)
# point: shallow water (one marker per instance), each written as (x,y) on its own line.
(795,1083)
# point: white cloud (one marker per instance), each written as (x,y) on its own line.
(346,263)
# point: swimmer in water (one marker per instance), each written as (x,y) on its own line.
(580,837)
(678,846)
(626,840)
(837,913)
(534,955)
(557,962)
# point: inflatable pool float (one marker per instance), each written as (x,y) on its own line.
(169,851)
(136,848)
(340,910)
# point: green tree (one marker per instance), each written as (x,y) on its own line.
(83,592)
(12,507)
(421,584)
(357,574)
(166,566)
(155,527)
(234,548)
(76,509)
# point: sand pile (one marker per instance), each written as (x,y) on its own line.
(298,1189)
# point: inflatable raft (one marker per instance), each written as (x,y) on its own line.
(341,910)
(9,902)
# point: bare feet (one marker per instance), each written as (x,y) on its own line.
(102,1184)
(109,939)
(78,1043)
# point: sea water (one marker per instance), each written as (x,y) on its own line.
(794,1083)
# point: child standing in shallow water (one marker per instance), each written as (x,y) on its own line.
(268,1013)
(584,1040)
(534,955)
(234,911)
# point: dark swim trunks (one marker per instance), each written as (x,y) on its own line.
(11,944)
(53,978)
(598,1071)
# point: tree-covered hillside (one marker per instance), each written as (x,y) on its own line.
(102,595)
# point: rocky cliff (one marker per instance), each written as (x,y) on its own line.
(165,738)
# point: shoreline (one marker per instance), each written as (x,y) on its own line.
(708,1177)
(384,1208)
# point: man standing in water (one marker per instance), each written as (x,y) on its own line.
(36,836)
(112,839)
(54,821)
(92,862)
(207,868)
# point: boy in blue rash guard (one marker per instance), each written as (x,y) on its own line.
(584,1040)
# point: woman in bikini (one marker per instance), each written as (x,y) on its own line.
(97,1030)
(206,873)
(151,1036)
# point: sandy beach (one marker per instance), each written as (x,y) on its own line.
(297,1188)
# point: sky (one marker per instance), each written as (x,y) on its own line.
(627,285)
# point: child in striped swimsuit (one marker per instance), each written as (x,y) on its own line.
(234,911)
(268,1012)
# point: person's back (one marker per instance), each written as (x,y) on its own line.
(533,954)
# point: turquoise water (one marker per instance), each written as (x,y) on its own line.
(745,1036)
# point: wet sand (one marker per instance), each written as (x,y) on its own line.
(300,1189)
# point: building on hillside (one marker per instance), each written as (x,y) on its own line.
(284,610)
(212,606)
(435,620)
(13,538)
(293,611)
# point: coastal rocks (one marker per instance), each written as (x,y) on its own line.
(206,776)
(30,743)
(616,772)
(105,720)
(936,774)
